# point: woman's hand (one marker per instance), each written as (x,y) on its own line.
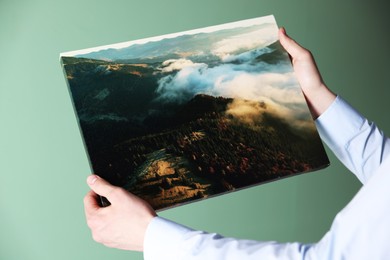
(317,94)
(122,224)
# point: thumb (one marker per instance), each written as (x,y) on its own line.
(100,186)
(291,46)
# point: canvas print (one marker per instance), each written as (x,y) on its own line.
(187,116)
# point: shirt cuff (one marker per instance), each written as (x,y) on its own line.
(163,238)
(339,124)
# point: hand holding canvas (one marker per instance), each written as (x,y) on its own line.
(122,224)
(317,94)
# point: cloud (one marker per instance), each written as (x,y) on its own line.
(183,85)
(251,113)
(246,56)
(273,84)
(177,64)
(247,111)
(244,81)
(279,87)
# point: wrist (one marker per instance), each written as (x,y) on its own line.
(319,99)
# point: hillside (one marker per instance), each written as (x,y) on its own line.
(210,153)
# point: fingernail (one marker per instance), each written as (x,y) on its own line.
(91,179)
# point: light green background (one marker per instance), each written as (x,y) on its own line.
(43,165)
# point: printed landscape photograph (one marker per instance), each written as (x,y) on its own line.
(187,116)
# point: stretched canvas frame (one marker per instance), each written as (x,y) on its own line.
(186,116)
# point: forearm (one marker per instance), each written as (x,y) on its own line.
(168,240)
(357,142)
(318,99)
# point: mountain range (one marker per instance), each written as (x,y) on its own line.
(178,47)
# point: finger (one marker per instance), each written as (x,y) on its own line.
(291,46)
(100,186)
(90,203)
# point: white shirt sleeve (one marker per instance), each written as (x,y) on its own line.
(168,240)
(360,231)
(357,142)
